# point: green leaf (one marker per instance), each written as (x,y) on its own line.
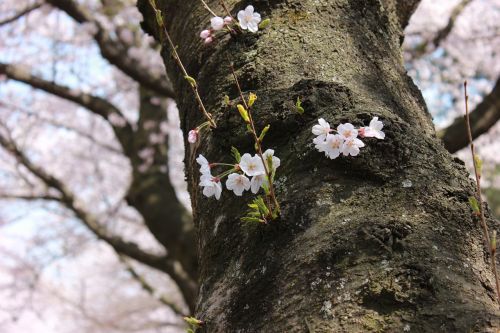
(479,164)
(264,23)
(474,205)
(191,81)
(249,128)
(298,106)
(249,219)
(263,133)
(243,112)
(251,99)
(193,321)
(227,102)
(236,154)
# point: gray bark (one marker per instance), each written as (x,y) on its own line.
(353,250)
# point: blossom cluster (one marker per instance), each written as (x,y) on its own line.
(345,139)
(237,176)
(248,19)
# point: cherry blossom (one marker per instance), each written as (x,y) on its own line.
(237,183)
(249,19)
(257,182)
(332,146)
(374,130)
(251,166)
(351,146)
(211,187)
(204,165)
(228,20)
(347,131)
(275,160)
(321,130)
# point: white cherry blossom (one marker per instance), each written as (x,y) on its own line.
(251,166)
(204,165)
(237,183)
(351,146)
(276,160)
(374,130)
(249,19)
(211,187)
(347,131)
(321,130)
(257,182)
(333,145)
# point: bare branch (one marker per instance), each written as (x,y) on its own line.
(115,52)
(23,12)
(482,118)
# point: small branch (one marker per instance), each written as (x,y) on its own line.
(491,246)
(257,141)
(22,13)
(208,8)
(177,59)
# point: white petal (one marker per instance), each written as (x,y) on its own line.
(253,26)
(249,10)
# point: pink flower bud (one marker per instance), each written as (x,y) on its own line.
(228,20)
(361,132)
(209,40)
(193,136)
(205,34)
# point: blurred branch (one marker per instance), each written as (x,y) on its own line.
(93,103)
(29,197)
(20,14)
(149,288)
(163,263)
(482,118)
(57,124)
(422,48)
(116,52)
(455,13)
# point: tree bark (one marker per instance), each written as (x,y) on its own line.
(354,249)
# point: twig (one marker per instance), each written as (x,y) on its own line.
(489,244)
(257,141)
(208,8)
(177,59)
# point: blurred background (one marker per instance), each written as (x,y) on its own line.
(86,115)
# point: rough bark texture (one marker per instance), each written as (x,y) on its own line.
(354,250)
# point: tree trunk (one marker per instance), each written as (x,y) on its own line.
(354,249)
